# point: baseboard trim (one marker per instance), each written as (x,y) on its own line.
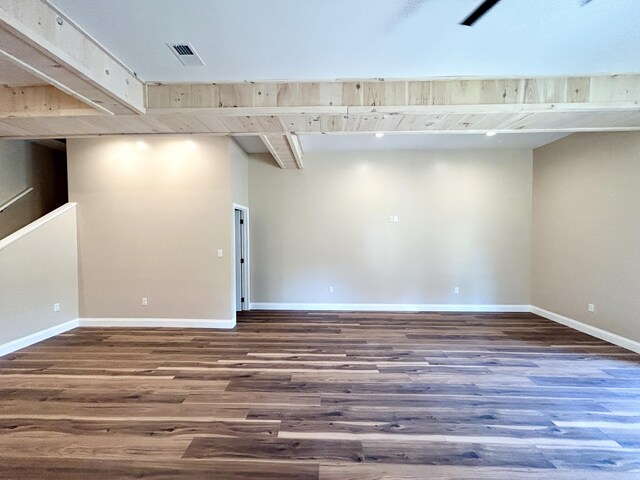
(391,307)
(589,329)
(157,322)
(36,337)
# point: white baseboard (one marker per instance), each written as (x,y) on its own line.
(403,307)
(589,329)
(390,307)
(36,337)
(157,322)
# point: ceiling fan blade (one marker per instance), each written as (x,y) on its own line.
(479,12)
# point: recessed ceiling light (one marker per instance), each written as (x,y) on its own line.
(379,135)
(490,134)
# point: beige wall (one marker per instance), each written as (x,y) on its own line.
(464,220)
(152,212)
(586,230)
(38,269)
(25,164)
(239,174)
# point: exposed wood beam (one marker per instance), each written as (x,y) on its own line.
(589,104)
(521,95)
(208,124)
(40,101)
(296,148)
(281,150)
(36,37)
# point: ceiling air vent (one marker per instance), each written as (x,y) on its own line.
(186,54)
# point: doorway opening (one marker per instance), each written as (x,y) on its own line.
(241,258)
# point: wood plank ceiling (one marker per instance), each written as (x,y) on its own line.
(37,38)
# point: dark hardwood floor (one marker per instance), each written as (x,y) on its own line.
(335,396)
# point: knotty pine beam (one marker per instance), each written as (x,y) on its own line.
(296,148)
(39,39)
(40,101)
(597,93)
(282,151)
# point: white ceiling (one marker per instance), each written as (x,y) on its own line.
(13,76)
(331,39)
(251,144)
(395,142)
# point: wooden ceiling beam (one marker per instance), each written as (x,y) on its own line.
(296,148)
(473,96)
(209,124)
(283,151)
(39,39)
(589,104)
(40,101)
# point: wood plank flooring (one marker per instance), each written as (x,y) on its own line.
(304,395)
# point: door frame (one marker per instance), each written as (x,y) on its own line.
(247,260)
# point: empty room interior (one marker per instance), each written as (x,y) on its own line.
(320,239)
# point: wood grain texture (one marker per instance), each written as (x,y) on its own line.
(309,395)
(529,93)
(38,38)
(283,149)
(40,101)
(281,110)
